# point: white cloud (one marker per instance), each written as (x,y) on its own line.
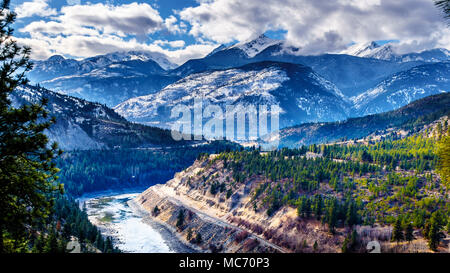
(123,20)
(321,25)
(134,18)
(173,44)
(82,46)
(87,30)
(41,49)
(194,51)
(35,7)
(316,26)
(57,28)
(171,24)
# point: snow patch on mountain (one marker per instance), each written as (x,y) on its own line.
(72,137)
(404,87)
(123,56)
(328,85)
(301,94)
(371,50)
(82,125)
(219,87)
(67,131)
(388,52)
(217,49)
(255,46)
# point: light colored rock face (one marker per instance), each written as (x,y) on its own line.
(203,214)
(223,221)
(71,136)
(73,117)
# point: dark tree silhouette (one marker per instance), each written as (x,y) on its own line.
(27,171)
(444,5)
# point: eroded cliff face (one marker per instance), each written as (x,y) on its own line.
(204,199)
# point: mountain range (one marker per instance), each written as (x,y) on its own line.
(404,87)
(388,52)
(143,87)
(411,118)
(302,94)
(108,79)
(353,75)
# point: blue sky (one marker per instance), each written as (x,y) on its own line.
(184,29)
(164,8)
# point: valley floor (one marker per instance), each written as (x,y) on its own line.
(167,194)
(128,226)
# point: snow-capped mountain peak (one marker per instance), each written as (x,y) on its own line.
(445,51)
(361,49)
(385,52)
(217,49)
(122,56)
(253,47)
(302,94)
(56,58)
(109,79)
(371,50)
(388,52)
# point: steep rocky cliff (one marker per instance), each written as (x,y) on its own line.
(211,203)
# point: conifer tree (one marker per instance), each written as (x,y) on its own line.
(27,170)
(51,245)
(108,245)
(434,236)
(180,220)
(434,230)
(397,233)
(409,236)
(332,216)
(319,207)
(189,235)
(198,238)
(315,246)
(155,211)
(351,216)
(353,238)
(444,5)
(444,160)
(345,248)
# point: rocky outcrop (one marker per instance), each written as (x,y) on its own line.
(204,199)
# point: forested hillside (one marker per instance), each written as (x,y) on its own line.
(389,191)
(411,118)
(68,224)
(97,170)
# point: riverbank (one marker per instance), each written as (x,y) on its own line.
(210,233)
(169,234)
(129,228)
(108,193)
